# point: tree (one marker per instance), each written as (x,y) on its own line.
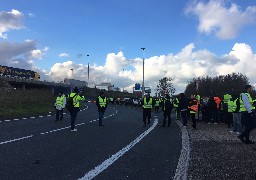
(165,86)
(209,86)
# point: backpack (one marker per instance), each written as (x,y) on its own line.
(70,103)
(168,105)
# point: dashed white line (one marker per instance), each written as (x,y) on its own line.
(7,120)
(49,115)
(104,165)
(24,118)
(16,119)
(13,140)
(32,117)
(41,116)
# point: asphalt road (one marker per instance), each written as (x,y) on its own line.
(38,148)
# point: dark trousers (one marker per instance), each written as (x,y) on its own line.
(212,115)
(193,118)
(177,113)
(167,114)
(156,109)
(101,114)
(184,115)
(146,115)
(229,119)
(248,125)
(59,115)
(73,114)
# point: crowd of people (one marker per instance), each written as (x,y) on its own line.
(236,110)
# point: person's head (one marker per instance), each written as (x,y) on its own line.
(102,94)
(61,93)
(248,88)
(182,95)
(76,90)
(192,96)
(167,96)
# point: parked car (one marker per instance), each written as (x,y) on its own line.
(135,101)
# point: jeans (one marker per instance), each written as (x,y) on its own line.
(193,118)
(146,115)
(73,114)
(237,125)
(167,114)
(101,114)
(59,115)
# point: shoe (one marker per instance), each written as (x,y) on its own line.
(215,123)
(249,142)
(238,133)
(101,125)
(209,123)
(73,129)
(241,139)
(144,125)
(184,126)
(231,131)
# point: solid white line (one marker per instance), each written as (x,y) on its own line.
(183,164)
(18,139)
(104,165)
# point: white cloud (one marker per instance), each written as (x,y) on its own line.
(10,20)
(182,67)
(63,55)
(38,54)
(226,22)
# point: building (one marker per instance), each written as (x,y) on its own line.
(74,82)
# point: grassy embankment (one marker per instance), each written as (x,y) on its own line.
(19,103)
(31,102)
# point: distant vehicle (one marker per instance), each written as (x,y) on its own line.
(127,101)
(18,73)
(135,101)
(75,82)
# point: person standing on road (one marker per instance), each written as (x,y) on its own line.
(59,105)
(193,108)
(76,96)
(102,104)
(167,109)
(212,110)
(246,110)
(157,104)
(147,104)
(237,125)
(183,108)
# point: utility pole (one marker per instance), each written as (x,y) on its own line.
(143,88)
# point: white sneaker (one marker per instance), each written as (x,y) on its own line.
(215,123)
(209,123)
(238,133)
(231,131)
(73,129)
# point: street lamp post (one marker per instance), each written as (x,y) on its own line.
(143,88)
(88,67)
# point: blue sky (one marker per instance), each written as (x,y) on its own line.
(176,34)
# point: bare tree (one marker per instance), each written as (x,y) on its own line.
(165,86)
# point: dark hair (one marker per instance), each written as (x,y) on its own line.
(76,90)
(247,87)
(101,92)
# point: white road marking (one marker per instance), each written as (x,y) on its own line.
(41,116)
(49,115)
(104,165)
(24,118)
(32,117)
(16,119)
(13,140)
(183,164)
(7,120)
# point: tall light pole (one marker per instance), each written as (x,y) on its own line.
(72,73)
(88,68)
(143,88)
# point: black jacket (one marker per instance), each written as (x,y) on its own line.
(211,105)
